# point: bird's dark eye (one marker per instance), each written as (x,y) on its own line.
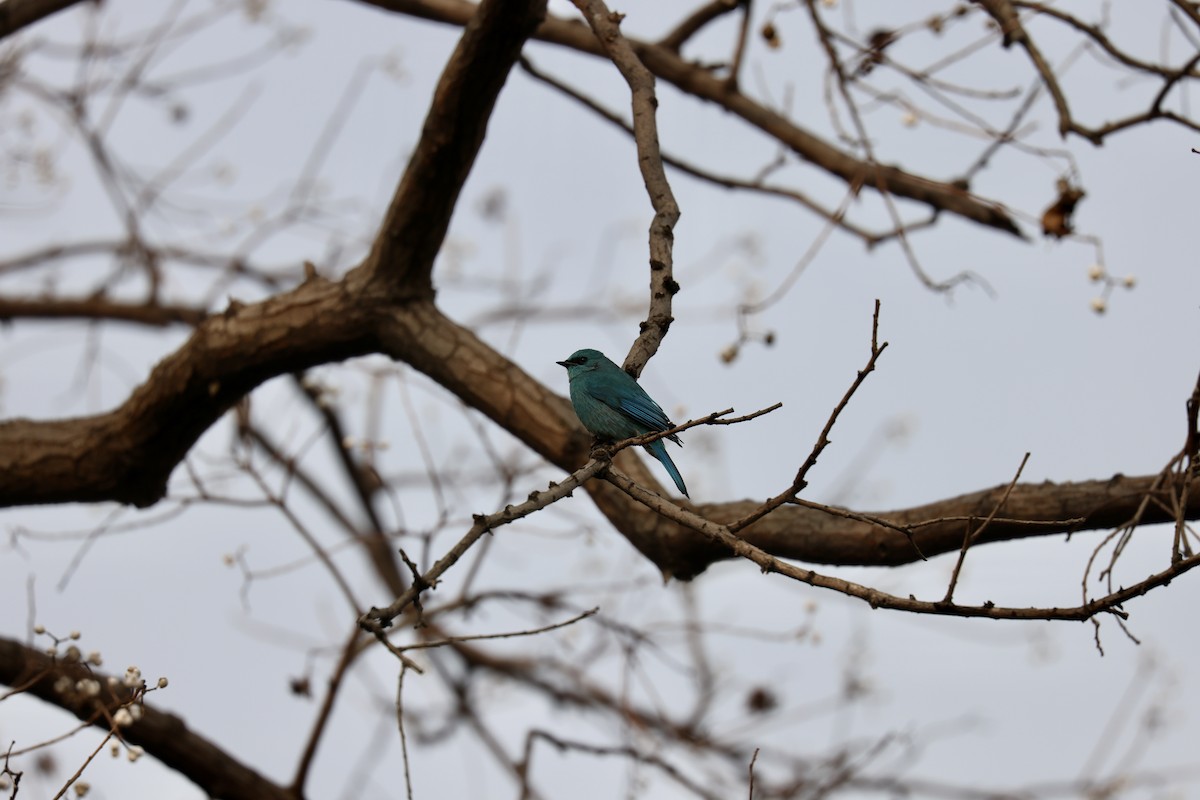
(581,360)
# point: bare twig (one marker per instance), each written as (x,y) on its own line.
(377,619)
(800,481)
(969,536)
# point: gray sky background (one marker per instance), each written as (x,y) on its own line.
(969,383)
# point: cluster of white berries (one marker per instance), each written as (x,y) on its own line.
(89,687)
(1098,274)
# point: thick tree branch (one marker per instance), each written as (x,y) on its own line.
(416,222)
(164,736)
(127,454)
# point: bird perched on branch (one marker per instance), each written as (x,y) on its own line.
(612,406)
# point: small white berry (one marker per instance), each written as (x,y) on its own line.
(1130,281)
(1099,305)
(162,683)
(123,718)
(1095,272)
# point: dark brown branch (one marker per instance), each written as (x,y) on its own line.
(416,222)
(18,14)
(350,650)
(373,537)
(128,453)
(164,736)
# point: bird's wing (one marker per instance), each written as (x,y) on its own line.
(632,401)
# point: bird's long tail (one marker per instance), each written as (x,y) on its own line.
(659,451)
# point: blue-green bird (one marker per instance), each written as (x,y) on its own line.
(612,406)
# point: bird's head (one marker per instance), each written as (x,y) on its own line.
(582,361)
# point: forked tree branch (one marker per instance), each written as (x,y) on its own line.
(128,453)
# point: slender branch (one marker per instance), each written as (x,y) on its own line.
(969,535)
(663,286)
(377,619)
(100,309)
(801,480)
(349,651)
(1006,17)
(722,535)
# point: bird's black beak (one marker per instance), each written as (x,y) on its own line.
(563,363)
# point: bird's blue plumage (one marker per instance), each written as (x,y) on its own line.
(613,406)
